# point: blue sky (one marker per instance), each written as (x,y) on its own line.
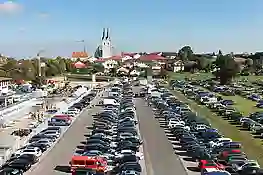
(137,25)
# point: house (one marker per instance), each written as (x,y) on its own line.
(4,83)
(79,65)
(79,55)
(241,62)
(178,66)
(109,63)
(171,55)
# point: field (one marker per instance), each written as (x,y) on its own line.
(243,105)
(252,146)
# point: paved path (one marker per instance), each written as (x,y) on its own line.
(57,160)
(162,155)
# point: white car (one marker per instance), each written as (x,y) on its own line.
(45,142)
(124,153)
(71,113)
(74,110)
(175,123)
(219,141)
(36,151)
(52,133)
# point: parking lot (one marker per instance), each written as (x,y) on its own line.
(159,154)
(56,161)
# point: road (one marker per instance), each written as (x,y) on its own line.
(161,156)
(57,160)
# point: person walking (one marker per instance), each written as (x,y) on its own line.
(2,122)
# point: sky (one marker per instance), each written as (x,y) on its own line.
(56,26)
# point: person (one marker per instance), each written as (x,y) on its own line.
(2,122)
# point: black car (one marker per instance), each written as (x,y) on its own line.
(20,164)
(11,171)
(30,157)
(41,136)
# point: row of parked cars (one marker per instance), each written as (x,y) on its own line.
(224,108)
(114,143)
(245,90)
(215,153)
(38,144)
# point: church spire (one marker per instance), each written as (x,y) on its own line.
(107,34)
(103,34)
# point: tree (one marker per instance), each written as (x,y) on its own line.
(28,70)
(185,54)
(98,67)
(227,68)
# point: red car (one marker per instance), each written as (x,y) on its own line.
(207,164)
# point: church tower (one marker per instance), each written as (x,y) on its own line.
(106,46)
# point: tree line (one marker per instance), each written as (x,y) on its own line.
(26,69)
(224,66)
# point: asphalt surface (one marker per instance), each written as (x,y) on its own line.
(56,161)
(162,155)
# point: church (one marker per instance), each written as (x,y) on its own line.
(104,50)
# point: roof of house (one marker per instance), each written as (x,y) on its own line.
(128,54)
(79,65)
(115,58)
(165,54)
(79,54)
(151,58)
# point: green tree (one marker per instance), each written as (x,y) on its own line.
(27,69)
(227,68)
(185,54)
(98,67)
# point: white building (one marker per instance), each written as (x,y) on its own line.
(4,82)
(106,44)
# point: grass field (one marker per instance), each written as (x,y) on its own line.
(253,147)
(183,75)
(204,76)
(243,105)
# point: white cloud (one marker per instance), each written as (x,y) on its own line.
(10,7)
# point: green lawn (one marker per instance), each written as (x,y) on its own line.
(251,146)
(241,104)
(183,75)
(203,76)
